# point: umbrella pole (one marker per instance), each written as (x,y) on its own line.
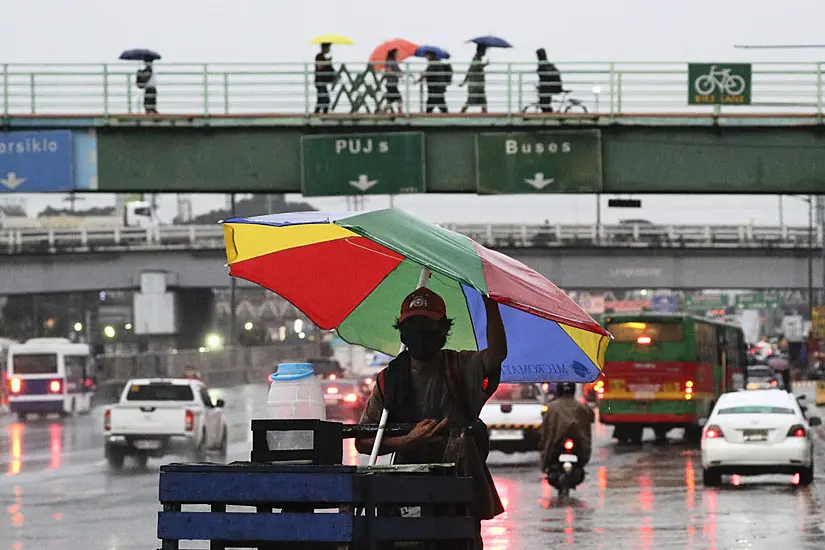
(423,277)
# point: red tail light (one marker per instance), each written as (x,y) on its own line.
(351,398)
(713,432)
(643,340)
(568,445)
(16,385)
(107,420)
(797,431)
(333,377)
(190,421)
(332,390)
(54,386)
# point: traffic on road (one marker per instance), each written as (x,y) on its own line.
(58,492)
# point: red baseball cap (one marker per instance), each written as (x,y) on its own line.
(424,302)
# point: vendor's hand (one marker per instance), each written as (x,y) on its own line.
(425,430)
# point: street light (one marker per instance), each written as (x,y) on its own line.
(109,331)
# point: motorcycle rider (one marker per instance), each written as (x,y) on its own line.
(566,418)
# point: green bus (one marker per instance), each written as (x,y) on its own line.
(665,371)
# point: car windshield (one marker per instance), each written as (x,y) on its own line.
(756,409)
(160,392)
(526,393)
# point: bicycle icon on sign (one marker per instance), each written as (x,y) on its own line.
(719,79)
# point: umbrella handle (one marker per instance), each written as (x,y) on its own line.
(423,277)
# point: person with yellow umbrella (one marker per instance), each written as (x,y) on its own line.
(325,70)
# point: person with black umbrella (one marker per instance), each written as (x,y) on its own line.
(145,78)
(147,81)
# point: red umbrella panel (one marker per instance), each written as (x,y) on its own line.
(404,49)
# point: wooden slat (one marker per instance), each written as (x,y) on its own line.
(239,527)
(417,490)
(253,488)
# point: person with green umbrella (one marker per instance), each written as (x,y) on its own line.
(440,390)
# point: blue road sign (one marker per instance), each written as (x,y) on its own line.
(36,162)
(664,304)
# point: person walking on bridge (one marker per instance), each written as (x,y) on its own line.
(439,389)
(476,92)
(324,78)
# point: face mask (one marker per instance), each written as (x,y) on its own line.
(423,344)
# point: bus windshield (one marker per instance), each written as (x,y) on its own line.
(40,363)
(630,331)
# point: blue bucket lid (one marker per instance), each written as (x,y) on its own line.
(288,372)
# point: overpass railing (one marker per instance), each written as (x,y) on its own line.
(246,89)
(210,237)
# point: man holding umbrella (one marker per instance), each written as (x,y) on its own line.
(438,75)
(145,78)
(440,390)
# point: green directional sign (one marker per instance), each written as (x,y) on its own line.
(539,162)
(362,164)
(705,302)
(719,84)
(757,301)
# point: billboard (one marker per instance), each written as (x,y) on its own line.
(36,162)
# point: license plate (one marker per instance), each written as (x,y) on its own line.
(755,435)
(506,435)
(568,458)
(147,444)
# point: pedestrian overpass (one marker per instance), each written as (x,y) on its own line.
(238,128)
(575,257)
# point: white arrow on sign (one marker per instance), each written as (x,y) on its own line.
(363,183)
(12,181)
(538,181)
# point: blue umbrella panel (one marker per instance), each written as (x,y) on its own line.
(491,42)
(424,51)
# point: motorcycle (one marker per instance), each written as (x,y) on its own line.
(566,474)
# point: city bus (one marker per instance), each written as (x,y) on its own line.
(665,371)
(49,375)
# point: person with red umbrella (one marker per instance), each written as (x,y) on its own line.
(392,76)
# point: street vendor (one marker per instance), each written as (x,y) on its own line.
(442,391)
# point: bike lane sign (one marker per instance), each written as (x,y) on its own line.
(719,84)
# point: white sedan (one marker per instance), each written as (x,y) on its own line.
(757,432)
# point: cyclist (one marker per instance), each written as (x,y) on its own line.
(549,81)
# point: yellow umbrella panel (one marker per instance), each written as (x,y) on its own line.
(337,39)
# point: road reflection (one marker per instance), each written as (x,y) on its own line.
(20,438)
(497,532)
(16,439)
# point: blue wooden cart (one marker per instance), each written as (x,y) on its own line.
(284,505)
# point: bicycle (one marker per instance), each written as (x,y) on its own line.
(564,104)
(721,79)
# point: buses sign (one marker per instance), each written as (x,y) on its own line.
(719,84)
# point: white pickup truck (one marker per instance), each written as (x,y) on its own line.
(161,416)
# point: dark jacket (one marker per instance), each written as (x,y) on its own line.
(567,417)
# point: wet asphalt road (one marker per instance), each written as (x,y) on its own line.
(56,493)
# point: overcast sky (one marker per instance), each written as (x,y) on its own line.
(94,31)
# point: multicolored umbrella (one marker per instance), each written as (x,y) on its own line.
(351,273)
(403,48)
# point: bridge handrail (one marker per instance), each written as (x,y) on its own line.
(24,240)
(245,89)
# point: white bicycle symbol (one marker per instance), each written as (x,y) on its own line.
(721,79)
